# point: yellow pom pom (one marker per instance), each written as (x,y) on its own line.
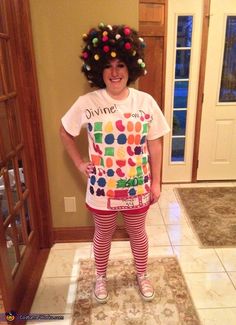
(96,57)
(113,54)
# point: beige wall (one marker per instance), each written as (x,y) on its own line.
(57,29)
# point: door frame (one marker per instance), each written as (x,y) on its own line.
(18,294)
(200,96)
(27,85)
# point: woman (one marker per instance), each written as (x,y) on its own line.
(124,128)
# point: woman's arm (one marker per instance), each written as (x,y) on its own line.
(155,160)
(72,150)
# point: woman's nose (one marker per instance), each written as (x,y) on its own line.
(113,71)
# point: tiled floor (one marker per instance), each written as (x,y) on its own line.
(210,273)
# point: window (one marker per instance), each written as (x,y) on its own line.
(228,77)
(181,87)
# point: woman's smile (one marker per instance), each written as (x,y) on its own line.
(115,76)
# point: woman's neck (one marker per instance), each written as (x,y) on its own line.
(119,95)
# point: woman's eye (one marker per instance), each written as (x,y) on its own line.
(121,65)
(107,66)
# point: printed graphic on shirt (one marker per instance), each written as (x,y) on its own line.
(119,154)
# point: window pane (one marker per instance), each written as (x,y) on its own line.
(6,66)
(178,145)
(184,31)
(181,94)
(182,64)
(4,128)
(10,242)
(228,77)
(179,122)
(4,209)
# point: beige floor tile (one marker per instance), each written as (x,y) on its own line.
(118,252)
(81,246)
(55,295)
(166,202)
(195,259)
(156,251)
(227,257)
(232,276)
(154,217)
(65,262)
(181,235)
(174,216)
(221,316)
(120,244)
(157,236)
(211,290)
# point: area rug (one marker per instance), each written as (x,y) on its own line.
(172,304)
(212,213)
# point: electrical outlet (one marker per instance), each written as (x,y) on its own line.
(70,204)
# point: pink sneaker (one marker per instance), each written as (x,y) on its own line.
(145,287)
(100,290)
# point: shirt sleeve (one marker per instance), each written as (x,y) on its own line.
(158,125)
(73,120)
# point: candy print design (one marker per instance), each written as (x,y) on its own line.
(119,156)
(120,126)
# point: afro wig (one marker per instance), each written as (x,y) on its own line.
(112,42)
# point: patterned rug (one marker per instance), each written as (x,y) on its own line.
(172,304)
(212,212)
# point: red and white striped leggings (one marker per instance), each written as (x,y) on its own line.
(105,226)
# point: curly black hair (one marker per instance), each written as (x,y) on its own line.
(109,42)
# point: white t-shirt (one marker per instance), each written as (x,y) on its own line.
(117,134)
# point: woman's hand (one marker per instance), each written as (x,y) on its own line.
(86,168)
(155,192)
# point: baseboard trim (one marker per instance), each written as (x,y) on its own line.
(83,234)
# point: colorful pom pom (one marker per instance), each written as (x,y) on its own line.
(105,33)
(127,46)
(87,67)
(106,48)
(118,36)
(113,54)
(109,27)
(105,38)
(96,57)
(134,53)
(101,25)
(145,72)
(141,39)
(127,31)
(94,41)
(143,65)
(85,36)
(140,61)
(85,55)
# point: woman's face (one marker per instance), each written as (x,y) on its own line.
(115,76)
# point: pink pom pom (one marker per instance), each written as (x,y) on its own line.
(127,31)
(106,48)
(85,55)
(105,38)
(127,46)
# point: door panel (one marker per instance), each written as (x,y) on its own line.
(184,37)
(217,154)
(21,199)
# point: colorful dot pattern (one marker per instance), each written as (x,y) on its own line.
(119,154)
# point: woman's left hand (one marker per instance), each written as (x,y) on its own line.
(155,192)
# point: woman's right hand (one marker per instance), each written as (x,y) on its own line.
(86,168)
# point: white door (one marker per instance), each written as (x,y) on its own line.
(184,35)
(217,152)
